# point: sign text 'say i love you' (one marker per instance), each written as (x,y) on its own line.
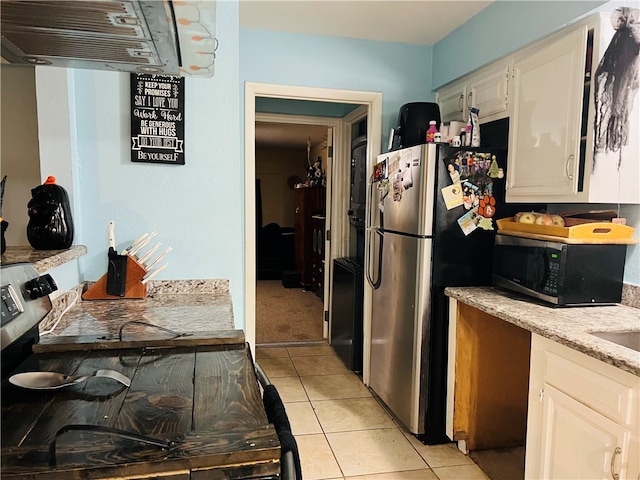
(157,119)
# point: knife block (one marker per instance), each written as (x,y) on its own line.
(133,286)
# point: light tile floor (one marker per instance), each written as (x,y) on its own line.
(342,431)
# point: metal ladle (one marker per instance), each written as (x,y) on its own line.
(54,380)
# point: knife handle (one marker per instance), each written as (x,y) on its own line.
(112,237)
(152,274)
(160,257)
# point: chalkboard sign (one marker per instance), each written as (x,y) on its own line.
(157,119)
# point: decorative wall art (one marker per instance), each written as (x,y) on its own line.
(616,86)
(157,119)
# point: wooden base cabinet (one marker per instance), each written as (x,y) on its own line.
(582,416)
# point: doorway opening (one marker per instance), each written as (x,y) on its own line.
(291,173)
(338,196)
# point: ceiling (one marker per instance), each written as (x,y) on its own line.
(419,22)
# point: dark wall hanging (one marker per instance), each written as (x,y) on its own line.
(616,82)
(157,119)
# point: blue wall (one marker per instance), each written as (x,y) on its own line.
(400,71)
(498,30)
(197,208)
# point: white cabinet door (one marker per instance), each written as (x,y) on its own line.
(488,92)
(452,101)
(583,416)
(578,442)
(544,137)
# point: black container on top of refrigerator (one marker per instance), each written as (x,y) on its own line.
(413,123)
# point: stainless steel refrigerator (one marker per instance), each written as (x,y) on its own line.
(426,234)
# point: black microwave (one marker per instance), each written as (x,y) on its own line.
(564,274)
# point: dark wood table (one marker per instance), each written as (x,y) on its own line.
(198,393)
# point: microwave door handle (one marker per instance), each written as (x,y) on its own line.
(542,268)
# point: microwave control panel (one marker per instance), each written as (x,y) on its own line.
(552,262)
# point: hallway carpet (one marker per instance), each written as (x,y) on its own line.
(286,315)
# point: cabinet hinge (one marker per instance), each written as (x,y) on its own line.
(328,236)
(541,395)
(326,316)
(330,151)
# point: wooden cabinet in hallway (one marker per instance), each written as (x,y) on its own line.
(308,201)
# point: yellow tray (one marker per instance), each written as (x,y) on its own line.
(596,232)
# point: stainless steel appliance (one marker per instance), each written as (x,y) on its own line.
(138,36)
(560,273)
(25,302)
(417,248)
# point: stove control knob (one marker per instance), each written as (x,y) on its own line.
(40,286)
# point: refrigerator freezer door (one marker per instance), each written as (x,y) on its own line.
(408,207)
(399,310)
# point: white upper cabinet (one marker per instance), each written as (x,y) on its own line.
(488,91)
(452,102)
(574,114)
(565,90)
(544,138)
(485,90)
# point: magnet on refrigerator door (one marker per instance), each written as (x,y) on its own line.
(469,221)
(397,187)
(380,171)
(452,195)
(407,178)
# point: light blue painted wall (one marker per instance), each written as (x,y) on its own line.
(400,71)
(500,29)
(197,208)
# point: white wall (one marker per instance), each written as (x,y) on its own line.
(19,158)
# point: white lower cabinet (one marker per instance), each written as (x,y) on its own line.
(582,420)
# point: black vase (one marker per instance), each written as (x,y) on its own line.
(50,224)
(5,224)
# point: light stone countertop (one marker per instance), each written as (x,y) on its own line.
(43,260)
(180,305)
(569,326)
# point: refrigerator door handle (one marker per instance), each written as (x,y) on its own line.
(374,283)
